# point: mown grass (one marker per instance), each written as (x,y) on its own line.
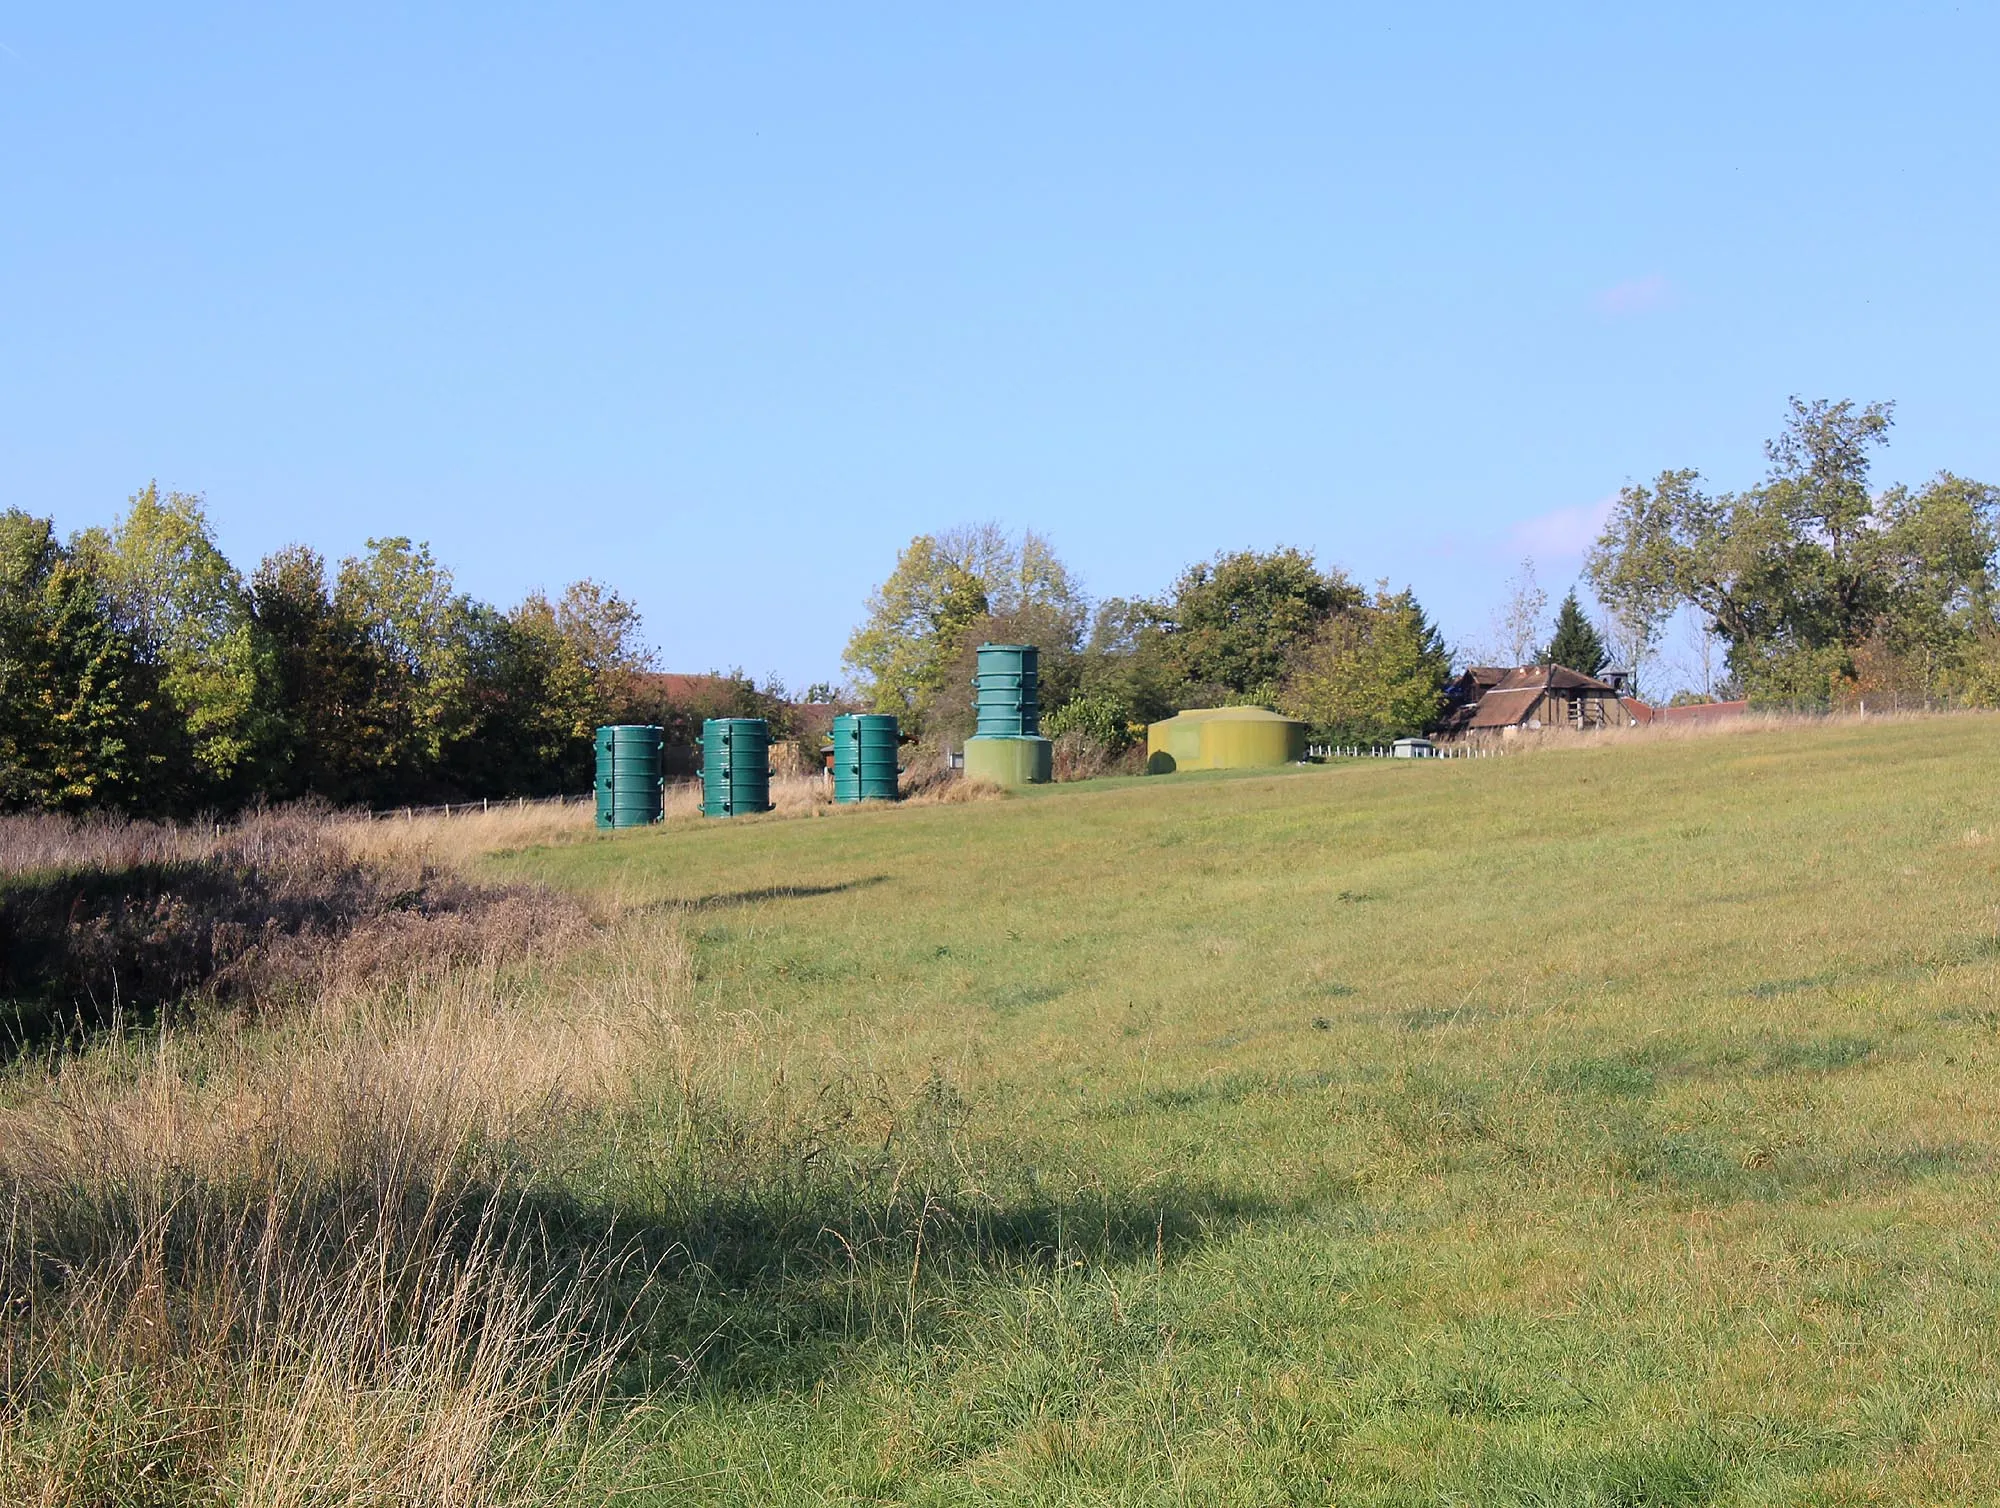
(1606,1125)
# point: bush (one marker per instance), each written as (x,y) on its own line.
(1099,719)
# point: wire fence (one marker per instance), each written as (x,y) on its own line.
(476,808)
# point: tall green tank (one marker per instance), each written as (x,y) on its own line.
(864,757)
(1008,749)
(630,790)
(735,766)
(1006,691)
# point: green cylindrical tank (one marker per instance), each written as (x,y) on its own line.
(630,791)
(735,766)
(1006,691)
(1008,749)
(864,757)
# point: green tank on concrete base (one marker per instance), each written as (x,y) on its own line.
(735,766)
(864,757)
(1224,738)
(1008,749)
(630,791)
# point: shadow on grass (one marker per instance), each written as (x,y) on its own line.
(764,1288)
(768,893)
(751,1297)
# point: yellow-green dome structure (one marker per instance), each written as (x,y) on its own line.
(1224,738)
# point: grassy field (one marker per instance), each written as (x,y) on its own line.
(1614,1125)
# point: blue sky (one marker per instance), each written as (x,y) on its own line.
(722,308)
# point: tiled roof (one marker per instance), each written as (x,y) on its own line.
(1503,709)
(1703,712)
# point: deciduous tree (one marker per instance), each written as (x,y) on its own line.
(1234,623)
(948,592)
(1811,573)
(1372,674)
(187,613)
(71,692)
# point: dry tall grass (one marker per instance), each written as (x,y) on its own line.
(462,838)
(311,1263)
(307,1260)
(1747,724)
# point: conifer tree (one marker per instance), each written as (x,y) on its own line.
(1577,645)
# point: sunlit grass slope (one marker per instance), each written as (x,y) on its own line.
(1613,1125)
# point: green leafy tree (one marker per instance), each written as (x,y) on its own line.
(187,612)
(1576,645)
(918,621)
(1371,674)
(1234,623)
(541,680)
(588,643)
(327,673)
(605,633)
(1127,660)
(418,632)
(72,695)
(1812,580)
(948,593)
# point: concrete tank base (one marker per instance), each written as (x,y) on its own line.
(1010,761)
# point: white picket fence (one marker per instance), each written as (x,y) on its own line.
(1383,751)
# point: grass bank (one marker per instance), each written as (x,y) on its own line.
(1615,1124)
(1612,1124)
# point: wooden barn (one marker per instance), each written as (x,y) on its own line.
(1488,702)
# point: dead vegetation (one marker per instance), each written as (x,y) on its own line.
(289,1251)
(462,838)
(317,1262)
(101,921)
(1746,724)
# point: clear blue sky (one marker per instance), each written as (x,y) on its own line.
(721,305)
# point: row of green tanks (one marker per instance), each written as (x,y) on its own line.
(736,767)
(1007,750)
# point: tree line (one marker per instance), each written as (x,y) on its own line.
(1245,627)
(140,670)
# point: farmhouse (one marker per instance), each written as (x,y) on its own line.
(1488,702)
